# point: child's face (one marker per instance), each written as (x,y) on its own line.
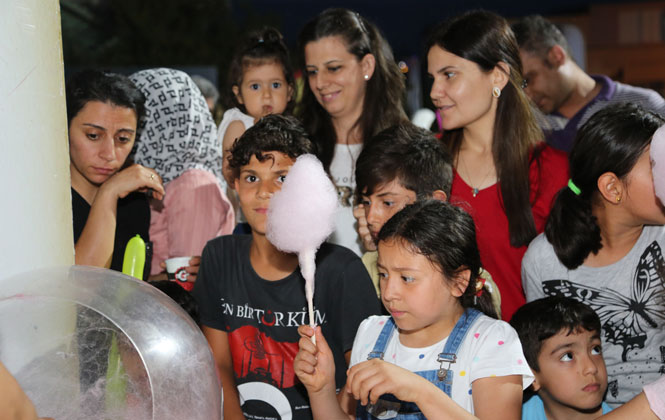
(640,197)
(420,299)
(263,90)
(384,202)
(572,370)
(256,184)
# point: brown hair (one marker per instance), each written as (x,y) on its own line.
(260,47)
(486,39)
(382,106)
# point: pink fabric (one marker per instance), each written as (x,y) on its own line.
(655,393)
(194,210)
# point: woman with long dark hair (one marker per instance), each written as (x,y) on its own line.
(354,90)
(504,175)
(108,201)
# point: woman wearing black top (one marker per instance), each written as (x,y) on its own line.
(103,110)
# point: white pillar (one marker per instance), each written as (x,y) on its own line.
(35,199)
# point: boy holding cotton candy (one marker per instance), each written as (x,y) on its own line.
(251,295)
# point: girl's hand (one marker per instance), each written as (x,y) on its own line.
(363,229)
(134,178)
(314,364)
(367,381)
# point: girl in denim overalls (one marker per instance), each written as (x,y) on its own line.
(439,355)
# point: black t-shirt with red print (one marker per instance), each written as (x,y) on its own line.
(261,318)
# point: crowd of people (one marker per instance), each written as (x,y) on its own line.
(537,188)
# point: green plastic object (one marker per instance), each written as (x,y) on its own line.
(134,260)
(116,379)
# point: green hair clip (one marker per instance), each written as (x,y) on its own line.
(574,187)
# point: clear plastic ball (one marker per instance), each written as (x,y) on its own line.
(91,343)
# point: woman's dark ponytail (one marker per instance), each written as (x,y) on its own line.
(612,140)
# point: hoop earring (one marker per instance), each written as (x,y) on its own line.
(496,92)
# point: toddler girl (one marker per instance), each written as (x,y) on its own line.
(260,82)
(439,354)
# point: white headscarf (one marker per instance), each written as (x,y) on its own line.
(177,132)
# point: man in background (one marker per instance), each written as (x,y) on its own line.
(561,89)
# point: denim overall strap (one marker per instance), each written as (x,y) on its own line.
(455,339)
(382,340)
(389,407)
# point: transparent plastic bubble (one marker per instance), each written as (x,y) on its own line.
(90,343)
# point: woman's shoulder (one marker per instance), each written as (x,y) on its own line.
(548,174)
(549,157)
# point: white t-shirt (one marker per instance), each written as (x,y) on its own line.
(343,172)
(490,348)
(230,115)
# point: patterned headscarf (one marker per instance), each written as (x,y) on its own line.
(178,132)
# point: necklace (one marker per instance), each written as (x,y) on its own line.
(474,190)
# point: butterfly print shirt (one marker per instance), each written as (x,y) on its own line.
(629,298)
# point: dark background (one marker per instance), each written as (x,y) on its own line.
(198,36)
(203,32)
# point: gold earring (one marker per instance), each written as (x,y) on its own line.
(618,199)
(496,92)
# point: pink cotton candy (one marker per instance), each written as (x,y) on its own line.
(658,162)
(302,215)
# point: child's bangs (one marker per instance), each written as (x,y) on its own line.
(371,181)
(263,156)
(414,249)
(250,62)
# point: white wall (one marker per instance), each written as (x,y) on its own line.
(35,201)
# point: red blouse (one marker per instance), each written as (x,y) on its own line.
(548,174)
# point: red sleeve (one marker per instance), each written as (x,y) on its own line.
(548,174)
